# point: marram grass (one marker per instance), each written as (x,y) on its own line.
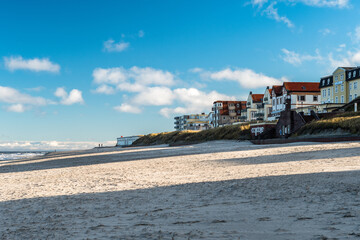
(234,132)
(348,122)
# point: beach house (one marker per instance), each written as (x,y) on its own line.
(227,112)
(302,95)
(254,107)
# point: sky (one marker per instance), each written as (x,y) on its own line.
(92,71)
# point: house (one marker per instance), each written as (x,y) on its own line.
(267,103)
(227,112)
(300,94)
(192,122)
(342,86)
(254,107)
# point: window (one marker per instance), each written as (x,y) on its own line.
(336,78)
(324,93)
(336,88)
(301,98)
(354,74)
(315,98)
(342,87)
(323,82)
(328,81)
(342,98)
(336,100)
(224,118)
(350,98)
(237,105)
(355,96)
(349,75)
(238,111)
(342,77)
(355,85)
(350,86)
(329,92)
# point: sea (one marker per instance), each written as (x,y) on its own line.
(19,155)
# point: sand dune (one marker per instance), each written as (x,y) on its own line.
(215,190)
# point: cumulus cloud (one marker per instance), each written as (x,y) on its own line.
(112,46)
(75,96)
(247,78)
(105,89)
(35,64)
(135,79)
(128,108)
(19,108)
(141,34)
(297,59)
(325,3)
(193,101)
(155,96)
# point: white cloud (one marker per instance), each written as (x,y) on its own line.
(49,145)
(193,101)
(135,79)
(351,59)
(141,34)
(19,108)
(105,89)
(75,96)
(112,46)
(196,70)
(272,12)
(297,59)
(247,78)
(267,8)
(13,96)
(35,64)
(355,35)
(155,96)
(127,108)
(325,3)
(326,31)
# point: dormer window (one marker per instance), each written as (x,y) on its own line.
(328,81)
(323,82)
(354,73)
(349,75)
(303,88)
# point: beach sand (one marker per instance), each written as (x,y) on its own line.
(215,190)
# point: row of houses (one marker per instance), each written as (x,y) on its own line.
(330,93)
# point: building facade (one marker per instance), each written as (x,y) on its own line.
(342,87)
(227,112)
(192,122)
(301,95)
(254,107)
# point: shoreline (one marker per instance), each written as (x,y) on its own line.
(223,189)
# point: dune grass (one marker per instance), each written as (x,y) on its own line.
(348,122)
(235,132)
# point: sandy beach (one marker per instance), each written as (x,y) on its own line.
(215,190)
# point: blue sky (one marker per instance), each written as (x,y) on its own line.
(96,70)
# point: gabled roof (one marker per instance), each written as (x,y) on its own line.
(270,91)
(257,97)
(277,89)
(302,86)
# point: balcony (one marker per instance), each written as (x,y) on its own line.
(259,114)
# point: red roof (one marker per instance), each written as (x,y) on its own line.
(257,97)
(270,91)
(277,89)
(302,86)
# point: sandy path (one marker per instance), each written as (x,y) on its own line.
(223,189)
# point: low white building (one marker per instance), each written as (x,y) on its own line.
(126,141)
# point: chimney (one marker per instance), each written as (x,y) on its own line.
(250,92)
(267,87)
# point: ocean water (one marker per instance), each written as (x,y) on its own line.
(19,155)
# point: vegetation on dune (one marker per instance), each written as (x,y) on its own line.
(235,132)
(348,122)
